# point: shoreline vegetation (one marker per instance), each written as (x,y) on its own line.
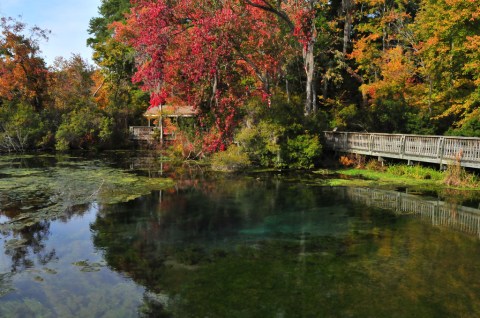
(354,170)
(377,173)
(250,115)
(344,172)
(74,179)
(398,176)
(275,78)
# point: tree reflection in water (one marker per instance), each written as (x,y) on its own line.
(27,243)
(247,247)
(31,241)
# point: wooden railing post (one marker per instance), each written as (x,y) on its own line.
(370,143)
(441,145)
(402,147)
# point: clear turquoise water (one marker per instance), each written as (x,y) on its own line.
(238,246)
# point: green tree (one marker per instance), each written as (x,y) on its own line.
(21,127)
(23,86)
(81,123)
(84,128)
(124,101)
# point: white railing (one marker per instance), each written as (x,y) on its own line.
(435,149)
(142,133)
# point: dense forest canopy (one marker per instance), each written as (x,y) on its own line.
(266,75)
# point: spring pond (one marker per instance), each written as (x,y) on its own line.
(125,235)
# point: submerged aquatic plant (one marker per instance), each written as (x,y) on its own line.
(34,194)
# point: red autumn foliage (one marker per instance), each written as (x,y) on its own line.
(209,55)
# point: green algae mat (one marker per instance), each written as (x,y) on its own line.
(35,188)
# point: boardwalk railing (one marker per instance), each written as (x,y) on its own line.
(145,133)
(148,133)
(438,213)
(434,149)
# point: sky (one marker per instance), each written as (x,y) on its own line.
(66,19)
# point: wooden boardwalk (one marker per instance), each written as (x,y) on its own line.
(145,133)
(434,149)
(438,213)
(149,134)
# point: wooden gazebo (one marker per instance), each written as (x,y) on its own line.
(156,115)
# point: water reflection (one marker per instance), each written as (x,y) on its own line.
(59,273)
(434,211)
(256,248)
(162,239)
(29,243)
(243,246)
(26,246)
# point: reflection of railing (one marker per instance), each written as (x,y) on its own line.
(435,149)
(439,213)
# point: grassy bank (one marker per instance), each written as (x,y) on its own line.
(403,176)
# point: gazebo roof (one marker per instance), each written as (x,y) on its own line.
(170,111)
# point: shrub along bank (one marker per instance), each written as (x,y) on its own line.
(397,175)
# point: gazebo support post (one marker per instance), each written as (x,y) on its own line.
(160,122)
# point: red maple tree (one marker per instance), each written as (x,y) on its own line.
(212,55)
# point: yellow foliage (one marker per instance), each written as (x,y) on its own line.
(99,92)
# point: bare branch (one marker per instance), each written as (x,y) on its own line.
(277,11)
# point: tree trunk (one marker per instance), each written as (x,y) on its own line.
(347,6)
(430,94)
(309,63)
(288,90)
(214,98)
(308,49)
(314,93)
(325,87)
(384,29)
